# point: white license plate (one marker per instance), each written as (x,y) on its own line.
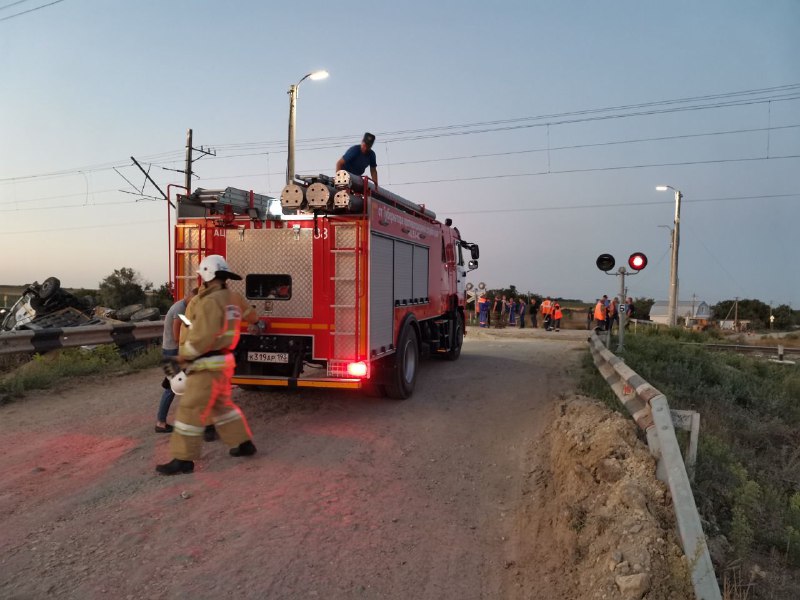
(268,357)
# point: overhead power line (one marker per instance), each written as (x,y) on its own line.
(484,211)
(544,172)
(779,93)
(783,90)
(600,169)
(139,200)
(103,226)
(12,4)
(551,149)
(30,10)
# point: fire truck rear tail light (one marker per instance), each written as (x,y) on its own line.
(357,369)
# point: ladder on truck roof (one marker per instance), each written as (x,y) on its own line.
(345,284)
(190,247)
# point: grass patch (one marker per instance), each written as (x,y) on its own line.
(747,483)
(46,371)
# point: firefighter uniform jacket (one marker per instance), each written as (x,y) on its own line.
(215,314)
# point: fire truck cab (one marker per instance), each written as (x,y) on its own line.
(352,283)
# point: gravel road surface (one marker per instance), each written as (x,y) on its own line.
(348,496)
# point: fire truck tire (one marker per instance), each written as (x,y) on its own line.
(403,374)
(49,288)
(455,351)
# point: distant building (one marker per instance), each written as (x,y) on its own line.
(691,313)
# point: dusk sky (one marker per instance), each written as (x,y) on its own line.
(540,128)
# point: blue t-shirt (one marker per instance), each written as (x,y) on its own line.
(356,162)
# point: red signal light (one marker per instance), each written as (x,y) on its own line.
(637,261)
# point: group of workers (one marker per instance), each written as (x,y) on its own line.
(513,312)
(606,313)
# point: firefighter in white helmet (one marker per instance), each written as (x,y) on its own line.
(215,316)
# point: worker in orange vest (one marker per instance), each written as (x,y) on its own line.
(600,315)
(547,309)
(557,314)
(483,314)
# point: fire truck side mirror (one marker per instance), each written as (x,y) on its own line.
(473,264)
(473,249)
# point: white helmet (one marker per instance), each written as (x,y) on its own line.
(213,266)
(178,383)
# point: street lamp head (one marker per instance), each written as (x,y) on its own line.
(314,76)
(662,188)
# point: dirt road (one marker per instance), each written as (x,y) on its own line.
(348,497)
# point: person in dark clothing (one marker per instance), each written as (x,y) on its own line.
(359,157)
(630,312)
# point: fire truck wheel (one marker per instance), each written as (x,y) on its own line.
(455,351)
(49,287)
(406,363)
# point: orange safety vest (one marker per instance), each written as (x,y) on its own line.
(545,307)
(558,312)
(600,311)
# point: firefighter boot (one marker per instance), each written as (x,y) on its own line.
(210,433)
(244,449)
(175,466)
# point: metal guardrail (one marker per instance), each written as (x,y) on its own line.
(44,340)
(651,412)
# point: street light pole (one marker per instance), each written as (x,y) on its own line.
(315,76)
(673,271)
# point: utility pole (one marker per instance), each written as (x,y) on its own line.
(673,277)
(623,316)
(187,182)
(736,314)
(673,271)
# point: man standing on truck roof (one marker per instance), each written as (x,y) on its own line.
(359,157)
(214,317)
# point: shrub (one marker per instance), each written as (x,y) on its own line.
(748,459)
(45,371)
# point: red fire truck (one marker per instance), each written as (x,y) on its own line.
(353,284)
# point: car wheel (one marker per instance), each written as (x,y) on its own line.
(49,288)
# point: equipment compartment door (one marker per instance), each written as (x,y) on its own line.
(381,291)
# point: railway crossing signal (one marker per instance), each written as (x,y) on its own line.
(636,261)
